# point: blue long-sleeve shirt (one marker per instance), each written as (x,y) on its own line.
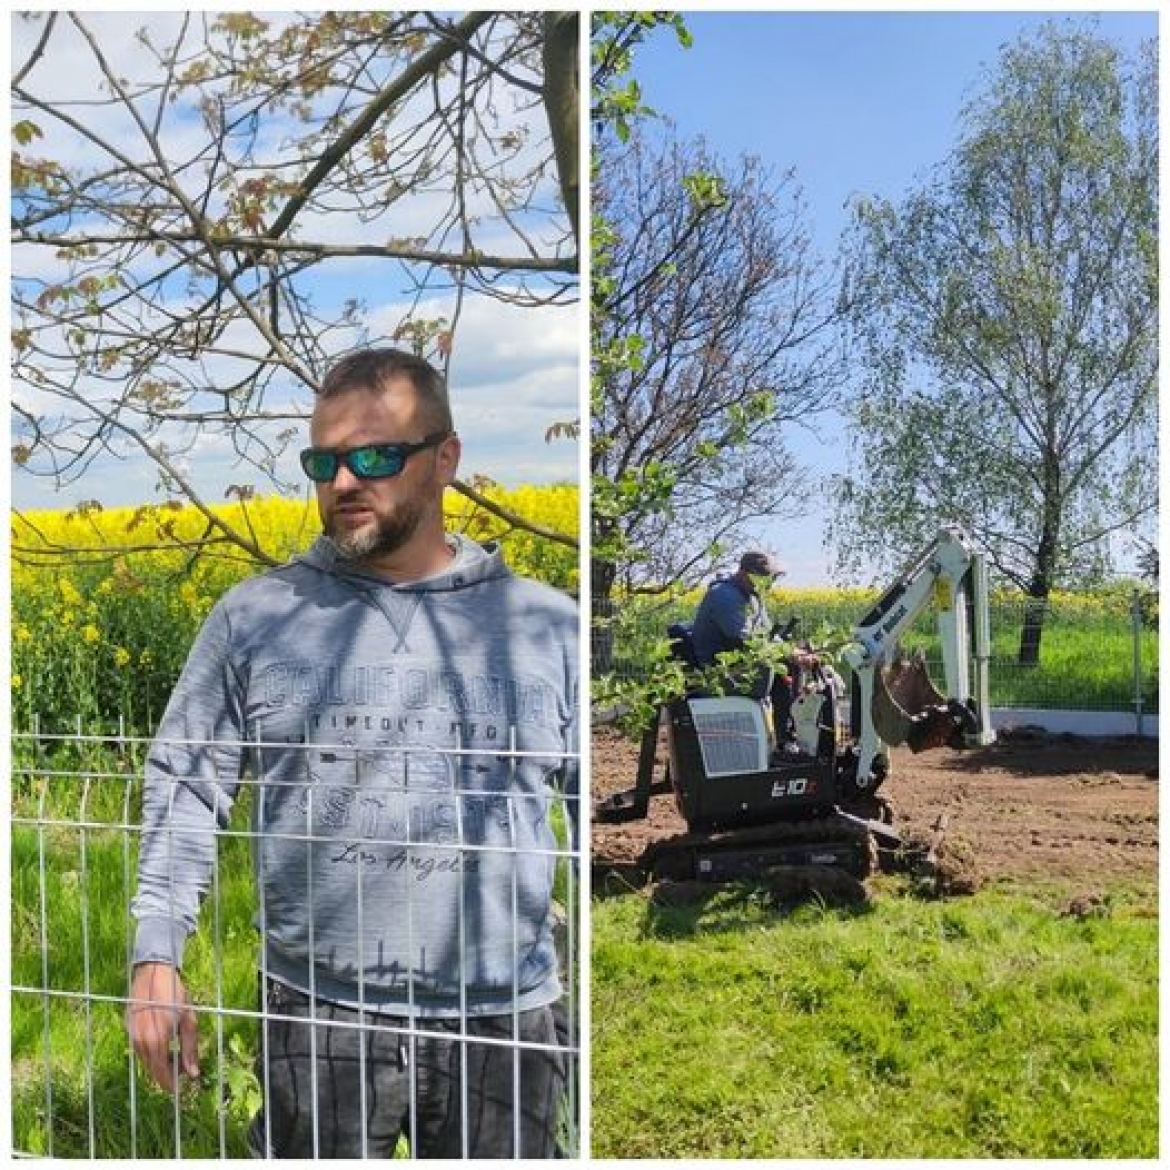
(725,617)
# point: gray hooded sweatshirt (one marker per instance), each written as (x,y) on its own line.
(401,740)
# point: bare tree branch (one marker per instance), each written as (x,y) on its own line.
(419,69)
(166,238)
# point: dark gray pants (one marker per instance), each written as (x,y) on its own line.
(452,1092)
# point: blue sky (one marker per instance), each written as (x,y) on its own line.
(856,103)
(515,371)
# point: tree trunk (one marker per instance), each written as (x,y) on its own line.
(1039,588)
(561,102)
(1035,609)
(1044,570)
(603,574)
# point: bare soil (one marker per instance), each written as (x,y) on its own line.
(1032,807)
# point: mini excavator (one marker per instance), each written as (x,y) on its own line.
(754,798)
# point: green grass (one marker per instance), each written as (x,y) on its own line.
(1086,664)
(74,1092)
(994,1026)
(1086,657)
(74,865)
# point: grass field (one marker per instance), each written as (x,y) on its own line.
(994,1026)
(74,863)
(74,1093)
(1087,660)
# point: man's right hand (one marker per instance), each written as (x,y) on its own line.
(159,1018)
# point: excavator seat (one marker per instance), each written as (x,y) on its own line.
(682,644)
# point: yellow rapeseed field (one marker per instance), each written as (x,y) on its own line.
(106,601)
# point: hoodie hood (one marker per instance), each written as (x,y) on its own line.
(473,564)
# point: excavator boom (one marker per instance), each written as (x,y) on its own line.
(895,700)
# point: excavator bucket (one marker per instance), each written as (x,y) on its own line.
(908,683)
(908,708)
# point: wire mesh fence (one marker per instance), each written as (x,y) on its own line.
(443,921)
(1095,652)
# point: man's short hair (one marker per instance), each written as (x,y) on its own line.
(372,369)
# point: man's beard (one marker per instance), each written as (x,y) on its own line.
(386,535)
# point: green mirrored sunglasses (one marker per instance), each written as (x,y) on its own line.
(374,461)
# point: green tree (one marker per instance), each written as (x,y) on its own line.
(718,334)
(1006,320)
(615,94)
(168,211)
(712,327)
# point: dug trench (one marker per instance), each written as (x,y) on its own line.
(1033,808)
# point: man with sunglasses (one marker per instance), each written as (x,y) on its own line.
(399,703)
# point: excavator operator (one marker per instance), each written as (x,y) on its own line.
(731,611)
(733,607)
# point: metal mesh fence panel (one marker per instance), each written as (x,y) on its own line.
(388,856)
(1095,653)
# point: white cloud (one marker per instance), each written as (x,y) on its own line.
(514,371)
(68,74)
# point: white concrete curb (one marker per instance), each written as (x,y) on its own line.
(1076,722)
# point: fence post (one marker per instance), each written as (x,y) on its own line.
(1136,614)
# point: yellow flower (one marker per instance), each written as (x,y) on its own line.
(91,634)
(17,682)
(23,634)
(69,593)
(121,656)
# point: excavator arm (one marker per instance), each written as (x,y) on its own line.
(894,700)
